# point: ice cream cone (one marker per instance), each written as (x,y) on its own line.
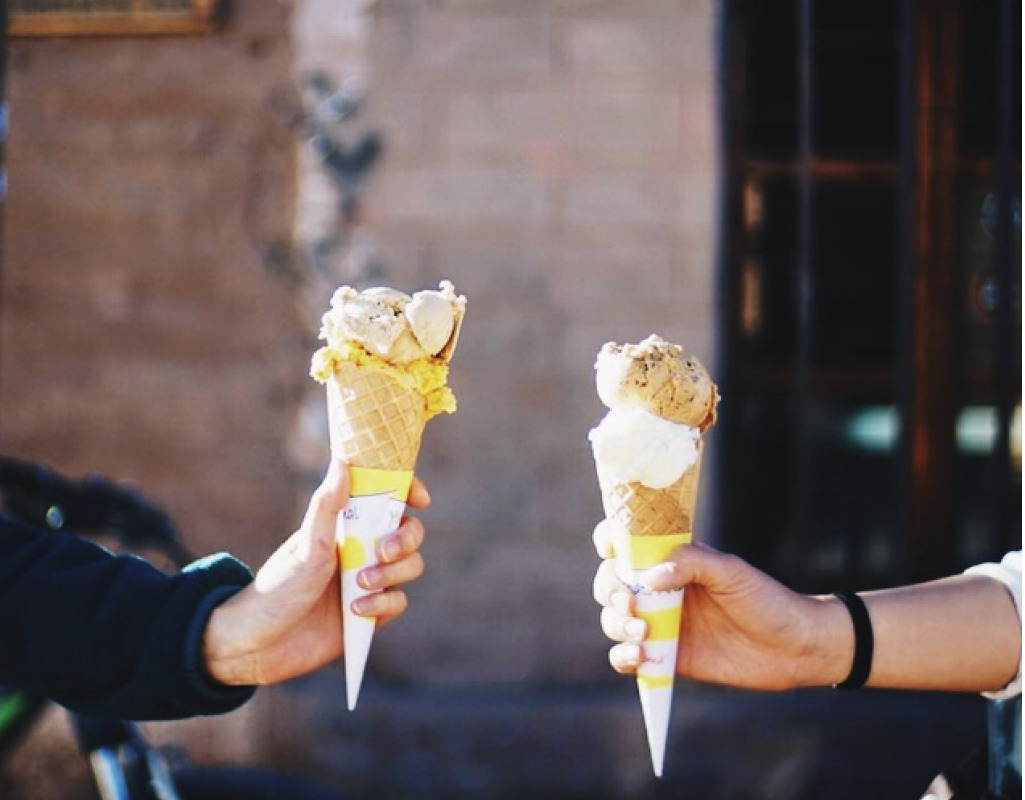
(385,366)
(374,421)
(376,427)
(643,511)
(649,524)
(648,451)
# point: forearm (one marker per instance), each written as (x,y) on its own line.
(957,634)
(111,636)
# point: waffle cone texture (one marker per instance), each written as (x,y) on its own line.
(642,511)
(374,422)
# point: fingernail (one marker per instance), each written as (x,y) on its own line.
(635,629)
(369,577)
(361,606)
(391,548)
(628,655)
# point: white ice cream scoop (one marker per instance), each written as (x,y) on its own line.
(635,446)
(431,320)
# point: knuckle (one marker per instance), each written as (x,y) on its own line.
(611,624)
(416,565)
(397,603)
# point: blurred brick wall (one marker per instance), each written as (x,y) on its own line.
(556,160)
(141,336)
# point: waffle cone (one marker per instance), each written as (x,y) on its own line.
(642,511)
(374,422)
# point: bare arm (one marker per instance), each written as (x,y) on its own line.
(960,634)
(742,628)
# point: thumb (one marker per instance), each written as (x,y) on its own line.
(689,564)
(326,504)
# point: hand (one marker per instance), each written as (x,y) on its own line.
(738,626)
(289,620)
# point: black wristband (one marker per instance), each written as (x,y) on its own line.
(864,642)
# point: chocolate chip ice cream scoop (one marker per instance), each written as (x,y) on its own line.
(660,377)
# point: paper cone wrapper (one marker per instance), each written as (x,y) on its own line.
(376,426)
(649,525)
(661,610)
(376,504)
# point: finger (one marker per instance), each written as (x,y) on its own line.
(689,563)
(385,606)
(384,576)
(418,497)
(625,658)
(602,538)
(326,503)
(605,582)
(623,628)
(403,542)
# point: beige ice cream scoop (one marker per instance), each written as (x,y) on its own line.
(430,319)
(660,377)
(391,324)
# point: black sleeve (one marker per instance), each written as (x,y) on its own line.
(109,635)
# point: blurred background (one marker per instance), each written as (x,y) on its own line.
(821,200)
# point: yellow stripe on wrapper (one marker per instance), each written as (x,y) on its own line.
(663,624)
(364,481)
(655,681)
(352,553)
(662,611)
(643,552)
(367,482)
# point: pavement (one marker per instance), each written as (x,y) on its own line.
(506,742)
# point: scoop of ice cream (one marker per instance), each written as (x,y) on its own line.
(410,339)
(394,326)
(659,377)
(635,446)
(373,318)
(431,320)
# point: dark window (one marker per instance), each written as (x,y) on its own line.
(871,287)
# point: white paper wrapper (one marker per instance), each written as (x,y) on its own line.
(661,610)
(375,509)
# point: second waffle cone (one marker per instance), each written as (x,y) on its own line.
(642,511)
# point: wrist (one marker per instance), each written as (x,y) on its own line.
(828,650)
(224,660)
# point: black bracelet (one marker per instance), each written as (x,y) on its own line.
(864,642)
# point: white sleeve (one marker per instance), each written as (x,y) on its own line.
(1008,572)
